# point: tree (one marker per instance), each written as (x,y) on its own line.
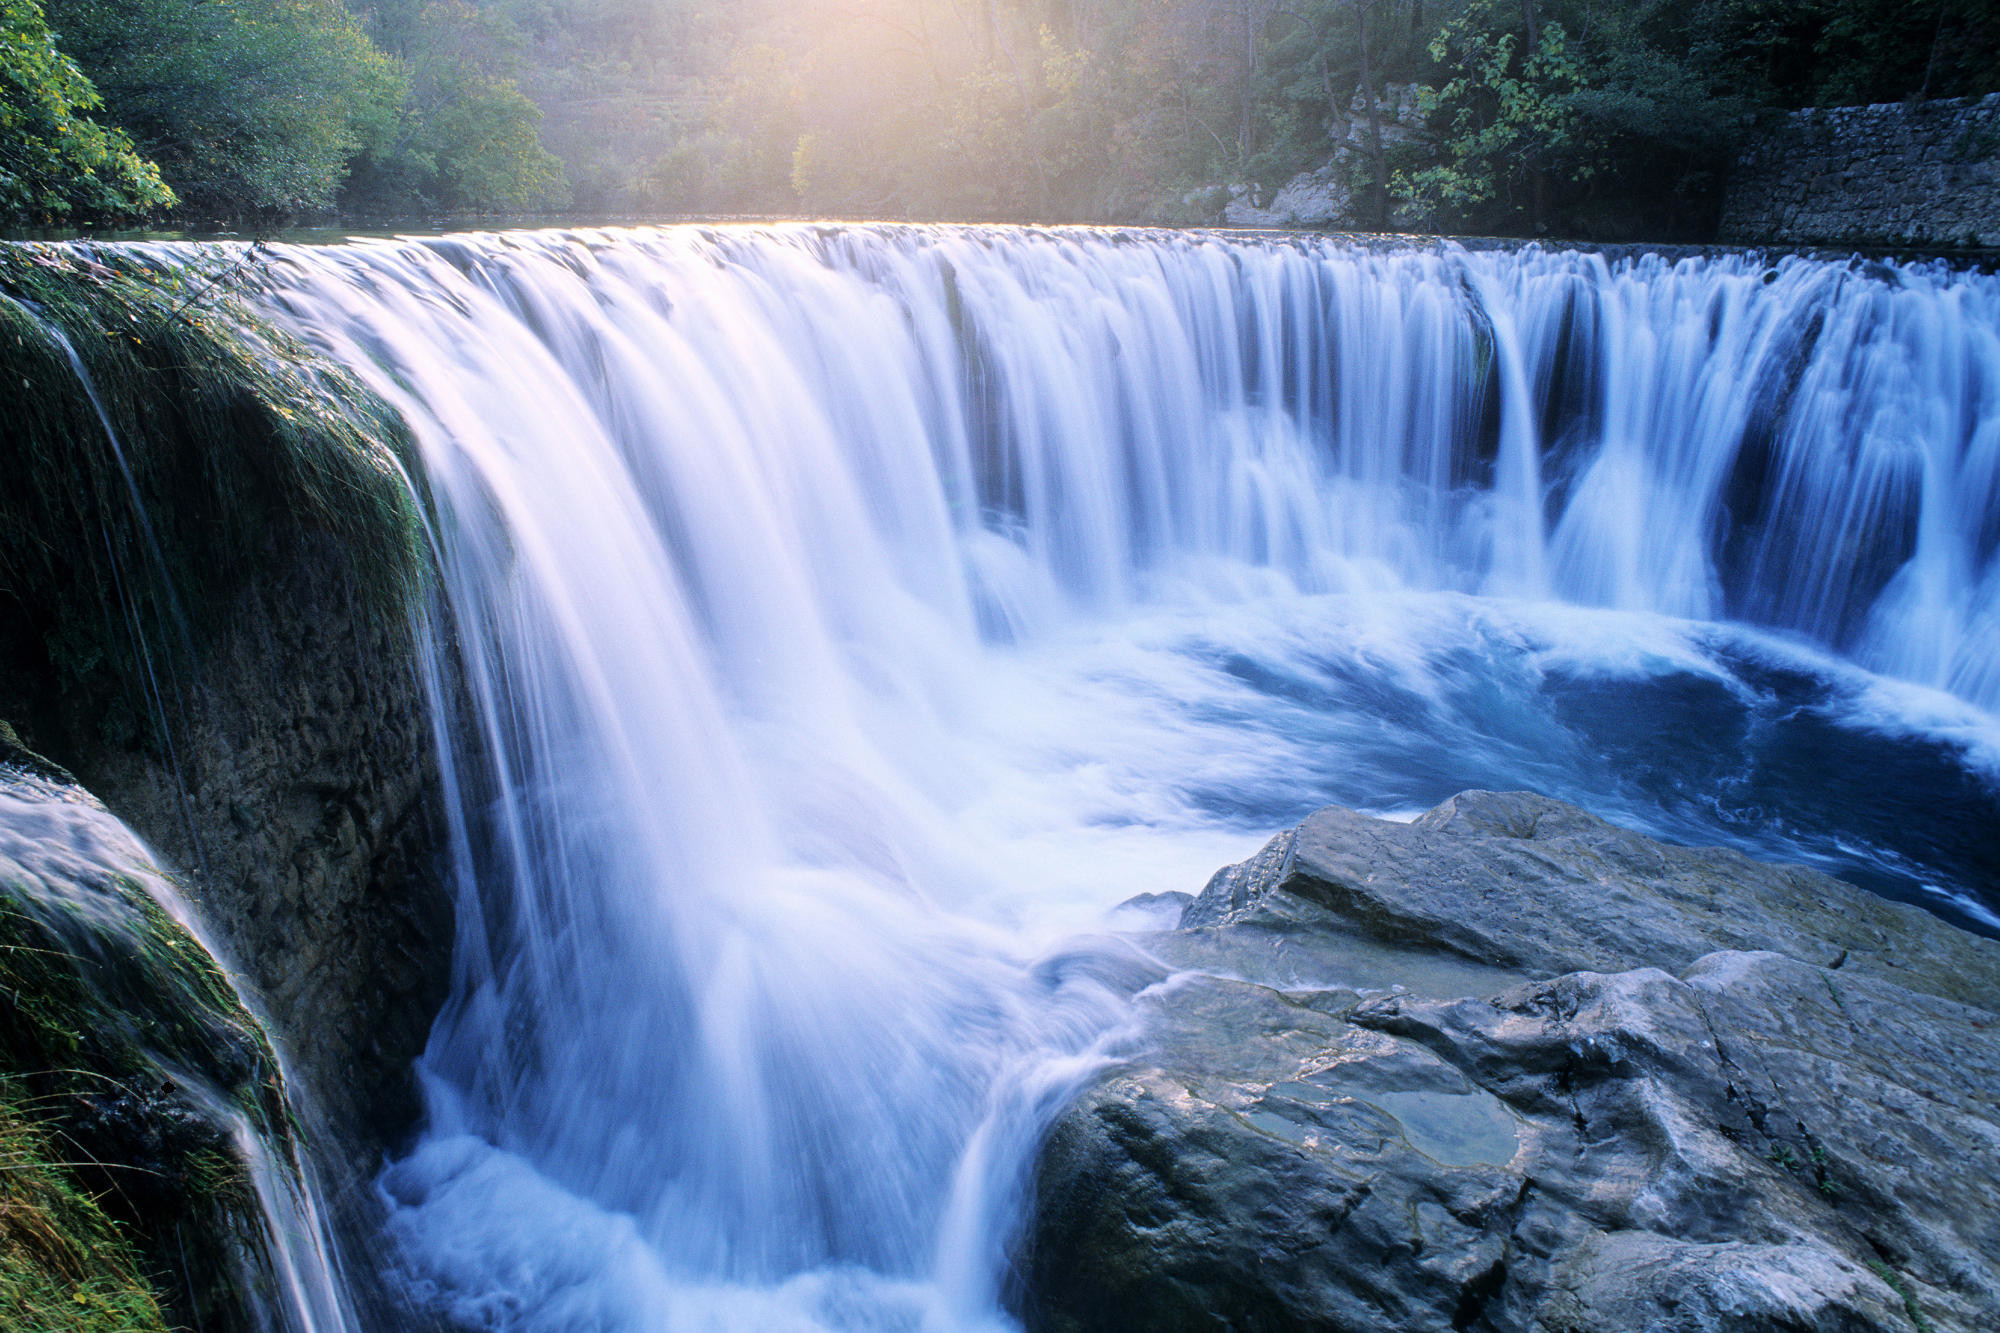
(1507,118)
(248,106)
(464,138)
(482,135)
(56,162)
(757,116)
(1378,181)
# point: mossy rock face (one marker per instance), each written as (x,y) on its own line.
(211,537)
(162,444)
(129,1075)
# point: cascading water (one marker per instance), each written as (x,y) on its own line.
(852,616)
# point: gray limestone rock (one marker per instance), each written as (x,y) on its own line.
(1317,198)
(1534,885)
(1510,1067)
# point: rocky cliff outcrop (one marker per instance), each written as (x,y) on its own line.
(149,1169)
(299,801)
(1324,196)
(209,548)
(1511,1067)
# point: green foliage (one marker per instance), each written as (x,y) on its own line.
(169,442)
(1894,1281)
(489,156)
(263,109)
(115,984)
(1508,117)
(248,106)
(56,162)
(1570,115)
(63,1263)
(1625,118)
(614,81)
(466,139)
(759,105)
(1843,52)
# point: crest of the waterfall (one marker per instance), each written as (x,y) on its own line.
(779,559)
(1022,427)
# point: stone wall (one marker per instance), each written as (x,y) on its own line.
(1891,174)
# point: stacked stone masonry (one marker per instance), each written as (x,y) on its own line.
(1898,173)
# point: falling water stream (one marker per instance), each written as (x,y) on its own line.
(854,617)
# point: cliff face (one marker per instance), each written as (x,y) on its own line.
(209,550)
(1511,1067)
(299,802)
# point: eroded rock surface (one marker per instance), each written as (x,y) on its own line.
(1510,1067)
(300,803)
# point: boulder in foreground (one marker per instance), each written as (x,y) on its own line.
(1512,1067)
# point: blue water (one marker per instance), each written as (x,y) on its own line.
(855,616)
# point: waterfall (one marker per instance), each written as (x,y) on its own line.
(854,616)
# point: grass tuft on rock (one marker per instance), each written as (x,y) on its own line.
(64,1264)
(114,1009)
(161,443)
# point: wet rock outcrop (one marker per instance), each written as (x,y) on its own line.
(211,546)
(300,802)
(152,1175)
(1511,1067)
(209,551)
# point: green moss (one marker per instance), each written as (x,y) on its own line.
(122,989)
(1895,1283)
(162,443)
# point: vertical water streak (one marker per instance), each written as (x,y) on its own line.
(750,533)
(1520,548)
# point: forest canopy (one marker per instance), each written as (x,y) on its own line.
(55,159)
(1581,115)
